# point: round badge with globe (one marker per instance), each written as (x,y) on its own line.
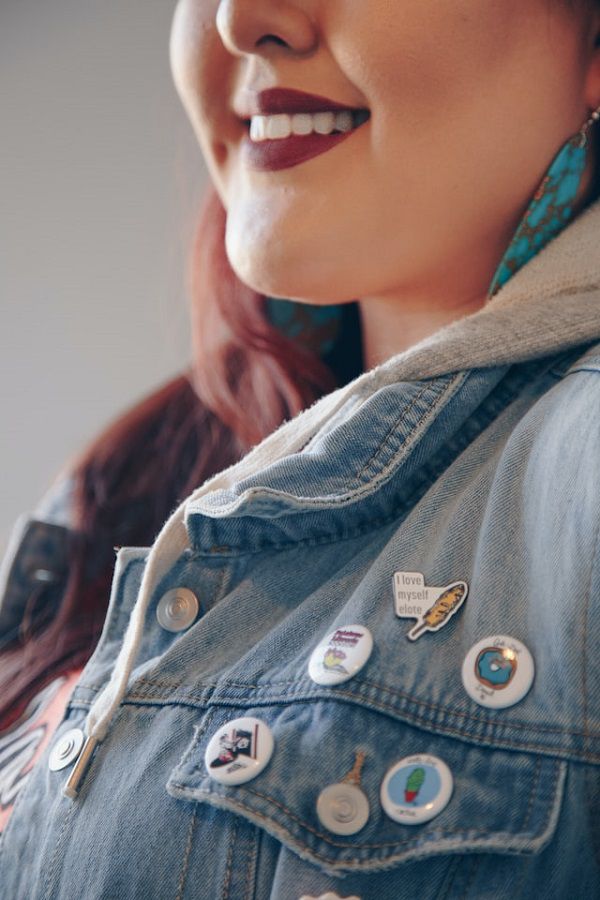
(416,789)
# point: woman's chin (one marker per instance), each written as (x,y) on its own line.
(282,286)
(292,280)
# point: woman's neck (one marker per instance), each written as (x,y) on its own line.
(393,322)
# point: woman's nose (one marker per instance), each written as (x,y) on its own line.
(262,26)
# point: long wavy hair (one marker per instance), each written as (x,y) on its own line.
(245,378)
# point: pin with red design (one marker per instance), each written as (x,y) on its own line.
(416,788)
(340,655)
(239,750)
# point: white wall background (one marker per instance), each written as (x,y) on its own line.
(100,179)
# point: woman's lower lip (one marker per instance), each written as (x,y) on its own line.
(282,153)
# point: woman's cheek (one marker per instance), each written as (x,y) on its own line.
(200,64)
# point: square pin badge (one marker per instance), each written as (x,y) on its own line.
(432,607)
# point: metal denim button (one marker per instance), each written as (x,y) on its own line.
(340,655)
(177,609)
(343,808)
(239,750)
(498,671)
(66,749)
(416,789)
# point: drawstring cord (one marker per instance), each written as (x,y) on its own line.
(170,543)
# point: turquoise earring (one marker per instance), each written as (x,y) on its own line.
(551,207)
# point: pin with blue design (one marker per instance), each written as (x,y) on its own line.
(498,671)
(416,788)
(432,607)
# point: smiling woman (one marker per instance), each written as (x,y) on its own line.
(348,654)
(411,212)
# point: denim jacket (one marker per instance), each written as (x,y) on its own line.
(475,458)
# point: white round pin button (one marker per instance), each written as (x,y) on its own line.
(416,789)
(66,749)
(239,750)
(340,655)
(343,808)
(498,671)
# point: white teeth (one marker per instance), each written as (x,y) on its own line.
(324,122)
(282,125)
(277,127)
(302,123)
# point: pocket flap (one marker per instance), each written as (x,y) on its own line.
(502,801)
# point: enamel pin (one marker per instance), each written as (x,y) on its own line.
(432,607)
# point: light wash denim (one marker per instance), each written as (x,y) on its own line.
(487,475)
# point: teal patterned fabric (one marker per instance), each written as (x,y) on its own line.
(548,213)
(316,326)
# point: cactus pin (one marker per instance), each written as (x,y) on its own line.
(414,783)
(432,607)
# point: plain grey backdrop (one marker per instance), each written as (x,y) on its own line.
(100,180)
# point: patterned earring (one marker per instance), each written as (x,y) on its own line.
(551,207)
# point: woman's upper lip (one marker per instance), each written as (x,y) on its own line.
(283,100)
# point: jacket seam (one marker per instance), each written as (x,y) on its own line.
(359,699)
(434,727)
(387,438)
(584,656)
(535,782)
(186,855)
(225,893)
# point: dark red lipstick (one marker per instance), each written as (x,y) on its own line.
(281,153)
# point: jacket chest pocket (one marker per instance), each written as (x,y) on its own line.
(502,805)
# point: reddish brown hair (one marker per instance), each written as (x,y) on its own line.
(245,379)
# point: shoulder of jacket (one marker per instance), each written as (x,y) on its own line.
(56,504)
(37,554)
(568,415)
